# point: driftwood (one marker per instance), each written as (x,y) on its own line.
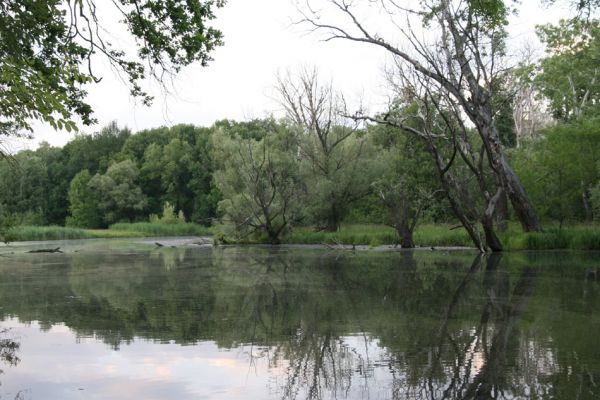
(162,245)
(340,246)
(56,250)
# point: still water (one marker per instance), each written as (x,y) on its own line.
(113,319)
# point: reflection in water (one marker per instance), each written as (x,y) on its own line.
(302,324)
(9,348)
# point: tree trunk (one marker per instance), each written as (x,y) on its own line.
(491,239)
(487,221)
(501,218)
(333,220)
(399,212)
(587,203)
(405,234)
(520,201)
(448,183)
(482,117)
(274,238)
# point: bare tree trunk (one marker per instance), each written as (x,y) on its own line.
(460,214)
(502,213)
(482,117)
(487,221)
(518,198)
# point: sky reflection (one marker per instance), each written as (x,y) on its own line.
(58,364)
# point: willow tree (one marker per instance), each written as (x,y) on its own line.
(331,146)
(461,55)
(258,177)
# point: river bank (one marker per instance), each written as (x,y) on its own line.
(576,237)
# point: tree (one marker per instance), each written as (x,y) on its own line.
(595,197)
(458,156)
(529,112)
(259,180)
(407,181)
(560,170)
(569,75)
(330,145)
(82,203)
(176,165)
(23,184)
(49,47)
(118,194)
(583,8)
(462,63)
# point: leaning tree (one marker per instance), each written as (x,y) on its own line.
(458,49)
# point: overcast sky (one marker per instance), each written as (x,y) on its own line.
(260,40)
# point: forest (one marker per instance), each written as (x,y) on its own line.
(467,144)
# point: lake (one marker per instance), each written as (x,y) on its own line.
(120,319)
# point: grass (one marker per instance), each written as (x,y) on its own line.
(121,230)
(158,229)
(576,237)
(27,233)
(375,235)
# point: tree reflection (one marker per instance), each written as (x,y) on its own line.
(418,325)
(9,348)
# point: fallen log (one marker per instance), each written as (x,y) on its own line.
(56,250)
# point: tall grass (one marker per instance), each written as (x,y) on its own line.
(375,235)
(159,229)
(575,238)
(121,230)
(441,235)
(27,233)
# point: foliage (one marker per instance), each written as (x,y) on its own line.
(48,48)
(561,169)
(160,229)
(569,76)
(7,222)
(118,193)
(259,180)
(82,203)
(406,179)
(33,233)
(176,165)
(595,197)
(331,147)
(169,216)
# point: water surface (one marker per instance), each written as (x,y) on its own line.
(112,319)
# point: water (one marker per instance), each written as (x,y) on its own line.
(111,319)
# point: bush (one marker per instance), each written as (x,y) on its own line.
(169,216)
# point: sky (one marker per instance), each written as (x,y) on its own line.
(261,40)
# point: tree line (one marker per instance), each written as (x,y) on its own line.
(262,178)
(468,137)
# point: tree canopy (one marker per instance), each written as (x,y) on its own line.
(48,49)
